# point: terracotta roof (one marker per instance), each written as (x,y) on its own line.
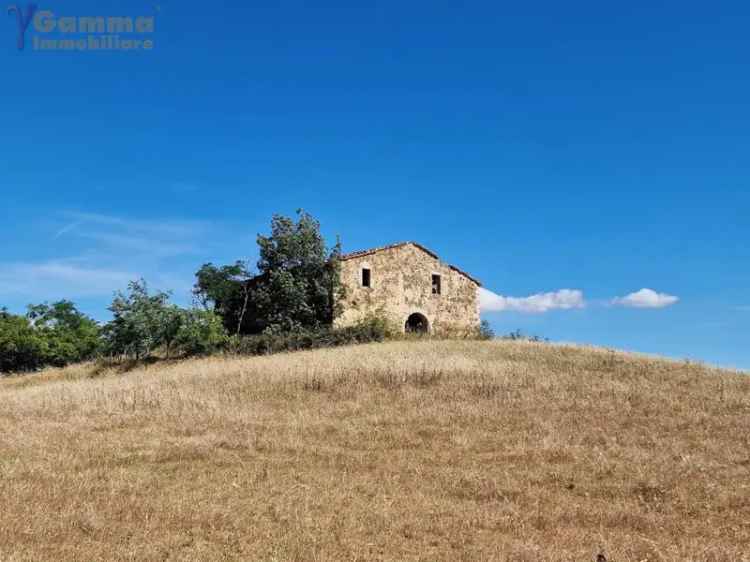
(362,253)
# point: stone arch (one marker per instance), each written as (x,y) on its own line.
(417,323)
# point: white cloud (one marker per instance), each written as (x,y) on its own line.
(646,298)
(564,299)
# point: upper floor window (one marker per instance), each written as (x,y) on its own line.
(436,285)
(366,277)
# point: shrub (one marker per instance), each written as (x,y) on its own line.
(201,332)
(518,335)
(485,331)
(371,329)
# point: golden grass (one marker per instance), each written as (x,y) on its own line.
(399,451)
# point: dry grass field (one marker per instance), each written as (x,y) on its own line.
(399,451)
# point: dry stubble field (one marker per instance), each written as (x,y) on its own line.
(398,451)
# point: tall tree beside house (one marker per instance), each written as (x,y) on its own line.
(297,287)
(299,283)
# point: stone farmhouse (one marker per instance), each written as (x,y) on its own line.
(412,287)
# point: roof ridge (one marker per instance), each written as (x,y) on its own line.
(370,251)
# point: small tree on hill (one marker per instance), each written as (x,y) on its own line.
(144,322)
(70,335)
(140,321)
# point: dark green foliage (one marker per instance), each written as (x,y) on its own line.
(21,348)
(370,330)
(70,336)
(49,335)
(298,287)
(226,291)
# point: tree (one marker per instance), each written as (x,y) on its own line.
(69,335)
(21,347)
(56,335)
(144,322)
(226,290)
(299,285)
(201,332)
(141,321)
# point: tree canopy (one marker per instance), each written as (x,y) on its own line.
(48,335)
(297,285)
(144,322)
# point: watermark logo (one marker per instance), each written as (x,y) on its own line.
(49,32)
(24,19)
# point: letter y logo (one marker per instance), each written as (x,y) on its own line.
(23,21)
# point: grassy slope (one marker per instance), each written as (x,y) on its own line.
(400,451)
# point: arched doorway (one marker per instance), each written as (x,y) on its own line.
(417,324)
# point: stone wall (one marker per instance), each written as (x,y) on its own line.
(401,285)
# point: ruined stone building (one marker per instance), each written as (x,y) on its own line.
(410,286)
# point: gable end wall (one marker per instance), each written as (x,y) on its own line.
(401,281)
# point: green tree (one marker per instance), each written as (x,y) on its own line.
(21,346)
(227,291)
(299,283)
(69,335)
(201,332)
(141,321)
(145,322)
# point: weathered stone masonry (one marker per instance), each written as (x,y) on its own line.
(409,285)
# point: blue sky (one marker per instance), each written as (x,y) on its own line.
(592,147)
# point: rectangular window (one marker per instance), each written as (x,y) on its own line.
(436,285)
(366,280)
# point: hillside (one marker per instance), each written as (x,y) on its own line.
(399,451)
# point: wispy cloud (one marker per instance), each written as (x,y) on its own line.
(67,228)
(159,228)
(57,279)
(97,254)
(646,298)
(564,299)
(155,247)
(134,237)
